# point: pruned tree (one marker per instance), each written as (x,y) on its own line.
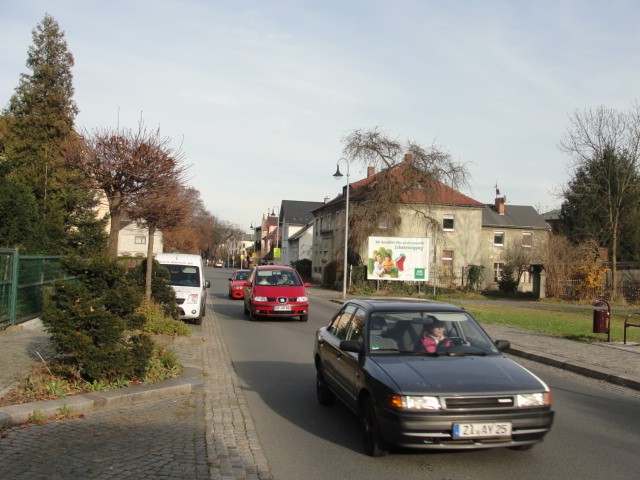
(127,166)
(162,208)
(605,146)
(409,176)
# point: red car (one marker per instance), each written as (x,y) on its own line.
(236,283)
(275,291)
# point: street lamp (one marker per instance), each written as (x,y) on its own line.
(338,176)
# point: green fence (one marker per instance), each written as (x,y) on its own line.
(23,279)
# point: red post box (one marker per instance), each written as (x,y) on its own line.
(601,316)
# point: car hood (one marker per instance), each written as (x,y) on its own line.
(459,375)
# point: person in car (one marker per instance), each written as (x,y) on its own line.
(434,336)
(284,279)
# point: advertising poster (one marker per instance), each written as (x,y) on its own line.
(398,258)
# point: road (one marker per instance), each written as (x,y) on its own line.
(594,434)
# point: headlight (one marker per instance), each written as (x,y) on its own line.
(411,402)
(193,298)
(259,299)
(302,299)
(542,399)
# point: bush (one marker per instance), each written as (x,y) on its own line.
(93,321)
(161,291)
(331,274)
(156,321)
(303,267)
(507,284)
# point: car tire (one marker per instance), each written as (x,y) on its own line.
(304,318)
(252,316)
(325,396)
(197,321)
(374,446)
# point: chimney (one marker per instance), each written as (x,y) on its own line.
(408,157)
(326,199)
(371,171)
(500,205)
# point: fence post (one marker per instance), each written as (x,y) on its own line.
(13,296)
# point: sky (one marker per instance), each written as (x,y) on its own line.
(259,95)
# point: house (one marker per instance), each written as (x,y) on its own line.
(518,227)
(462,232)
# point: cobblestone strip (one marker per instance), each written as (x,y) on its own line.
(233,448)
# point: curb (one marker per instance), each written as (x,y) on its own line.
(592,371)
(190,379)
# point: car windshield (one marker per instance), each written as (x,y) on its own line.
(242,275)
(428,333)
(277,277)
(183,275)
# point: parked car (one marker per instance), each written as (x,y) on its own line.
(218,264)
(236,283)
(275,291)
(186,277)
(380,357)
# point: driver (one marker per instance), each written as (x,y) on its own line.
(435,336)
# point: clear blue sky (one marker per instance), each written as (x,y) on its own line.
(258,94)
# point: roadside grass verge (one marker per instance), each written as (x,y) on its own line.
(570,323)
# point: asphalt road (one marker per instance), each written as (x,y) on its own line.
(594,434)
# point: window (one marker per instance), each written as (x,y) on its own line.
(141,240)
(339,325)
(527,239)
(497,271)
(447,223)
(498,238)
(447,261)
(356,326)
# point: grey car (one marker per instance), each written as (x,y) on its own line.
(423,374)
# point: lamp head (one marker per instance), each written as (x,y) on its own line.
(337,175)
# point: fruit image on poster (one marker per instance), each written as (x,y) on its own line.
(398,258)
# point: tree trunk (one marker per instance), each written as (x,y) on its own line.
(114,228)
(148,276)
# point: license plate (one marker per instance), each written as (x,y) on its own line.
(476,430)
(282,308)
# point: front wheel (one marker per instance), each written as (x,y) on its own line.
(304,318)
(374,446)
(325,395)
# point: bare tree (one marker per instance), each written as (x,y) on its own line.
(520,258)
(127,165)
(605,146)
(160,209)
(409,177)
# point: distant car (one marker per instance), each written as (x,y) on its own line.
(236,283)
(218,264)
(275,291)
(410,391)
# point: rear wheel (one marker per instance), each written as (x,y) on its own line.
(374,446)
(325,395)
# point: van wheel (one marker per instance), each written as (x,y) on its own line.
(197,321)
(304,318)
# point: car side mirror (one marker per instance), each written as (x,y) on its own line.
(351,346)
(246,284)
(307,284)
(503,345)
(207,284)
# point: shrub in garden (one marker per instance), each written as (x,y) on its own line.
(92,320)
(507,284)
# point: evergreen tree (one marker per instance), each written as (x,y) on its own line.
(38,124)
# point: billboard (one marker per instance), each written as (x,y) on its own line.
(398,258)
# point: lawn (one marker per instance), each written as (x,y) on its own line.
(572,323)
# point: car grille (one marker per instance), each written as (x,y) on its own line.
(479,403)
(282,299)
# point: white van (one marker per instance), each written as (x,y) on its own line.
(188,282)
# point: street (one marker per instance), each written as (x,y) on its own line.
(593,434)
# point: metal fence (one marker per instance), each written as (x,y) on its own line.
(23,279)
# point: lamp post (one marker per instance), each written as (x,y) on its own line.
(338,176)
